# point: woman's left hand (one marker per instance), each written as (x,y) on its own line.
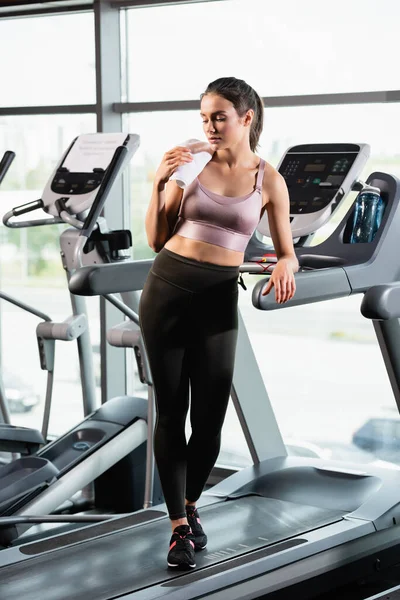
(282,279)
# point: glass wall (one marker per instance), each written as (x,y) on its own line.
(47,60)
(43,67)
(281,48)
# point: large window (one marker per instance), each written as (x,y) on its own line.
(47,60)
(280,48)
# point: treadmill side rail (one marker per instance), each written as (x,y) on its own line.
(312,286)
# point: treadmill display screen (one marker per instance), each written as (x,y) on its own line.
(314,167)
(67,183)
(314,178)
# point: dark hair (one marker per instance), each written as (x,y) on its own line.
(243,97)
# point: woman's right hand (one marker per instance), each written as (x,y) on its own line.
(171,160)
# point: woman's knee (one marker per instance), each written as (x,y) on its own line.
(170,424)
(210,437)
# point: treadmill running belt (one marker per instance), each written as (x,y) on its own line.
(135,558)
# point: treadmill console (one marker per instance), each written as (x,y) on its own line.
(65,182)
(313,181)
(77,177)
(318,178)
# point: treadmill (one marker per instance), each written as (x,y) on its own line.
(284,527)
(109,445)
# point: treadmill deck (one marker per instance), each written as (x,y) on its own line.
(135,558)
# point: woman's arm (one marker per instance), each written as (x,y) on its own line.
(162,213)
(165,200)
(279,221)
(277,207)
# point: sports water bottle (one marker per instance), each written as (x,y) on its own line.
(368,212)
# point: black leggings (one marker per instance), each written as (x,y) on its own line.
(188,317)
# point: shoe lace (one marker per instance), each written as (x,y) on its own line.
(181,540)
(182,536)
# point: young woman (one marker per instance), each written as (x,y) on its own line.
(188,308)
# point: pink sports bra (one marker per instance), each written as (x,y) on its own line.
(221,220)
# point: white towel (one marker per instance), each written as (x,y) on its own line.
(202,154)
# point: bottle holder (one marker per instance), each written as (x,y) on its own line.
(349,221)
(337,249)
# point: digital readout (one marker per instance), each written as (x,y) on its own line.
(314,167)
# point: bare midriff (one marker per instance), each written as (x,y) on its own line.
(204,252)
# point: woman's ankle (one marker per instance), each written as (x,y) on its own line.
(177,522)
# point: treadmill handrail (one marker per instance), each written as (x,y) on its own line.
(382,302)
(26,208)
(111,278)
(26,307)
(311,286)
(5,163)
(111,174)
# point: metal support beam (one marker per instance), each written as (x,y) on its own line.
(152,3)
(76,109)
(120,108)
(108,92)
(252,403)
(381,97)
(388,334)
